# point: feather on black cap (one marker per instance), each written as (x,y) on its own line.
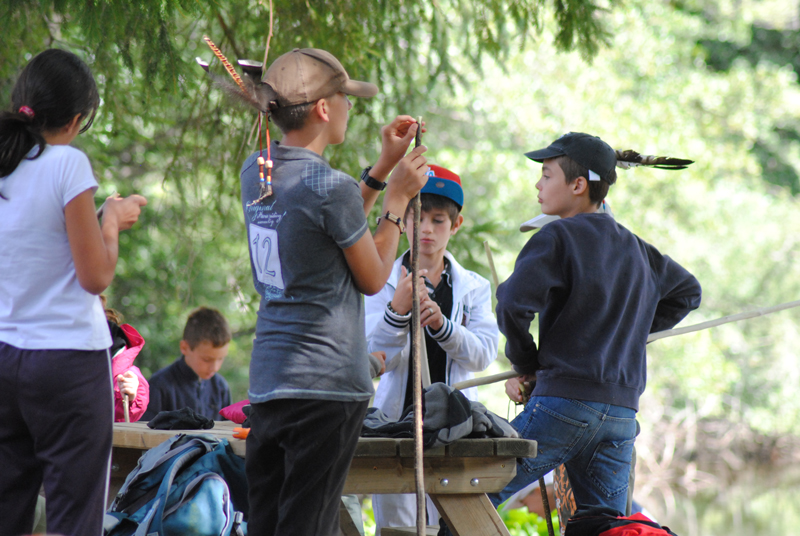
(596,155)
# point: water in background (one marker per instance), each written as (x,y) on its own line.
(759,502)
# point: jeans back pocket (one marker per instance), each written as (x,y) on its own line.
(555,431)
(610,466)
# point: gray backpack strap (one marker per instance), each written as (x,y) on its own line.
(144,526)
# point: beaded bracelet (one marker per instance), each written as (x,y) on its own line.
(397,220)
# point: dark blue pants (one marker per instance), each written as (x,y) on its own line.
(298,456)
(56,416)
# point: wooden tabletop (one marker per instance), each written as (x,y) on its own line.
(380,465)
(137,435)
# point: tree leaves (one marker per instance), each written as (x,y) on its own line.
(165,131)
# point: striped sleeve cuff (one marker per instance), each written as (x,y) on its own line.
(396,320)
(444,332)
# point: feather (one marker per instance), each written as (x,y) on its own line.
(228,67)
(248,90)
(233,91)
(628,159)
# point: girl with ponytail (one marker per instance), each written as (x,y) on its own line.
(56,406)
(37,108)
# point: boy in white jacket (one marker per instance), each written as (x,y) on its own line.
(460,330)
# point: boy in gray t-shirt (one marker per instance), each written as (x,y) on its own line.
(312,256)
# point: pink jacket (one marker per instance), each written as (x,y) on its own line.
(123,362)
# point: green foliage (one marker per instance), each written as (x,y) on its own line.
(166,132)
(521,522)
(724,218)
(732,229)
(368,515)
(779,47)
(712,80)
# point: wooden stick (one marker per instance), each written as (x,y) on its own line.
(486,380)
(724,320)
(491,264)
(546,507)
(126,407)
(494,378)
(269,37)
(416,348)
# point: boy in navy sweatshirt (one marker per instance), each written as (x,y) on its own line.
(599,291)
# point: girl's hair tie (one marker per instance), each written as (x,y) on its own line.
(26,110)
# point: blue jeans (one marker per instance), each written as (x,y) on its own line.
(593,440)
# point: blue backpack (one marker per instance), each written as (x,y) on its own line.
(189,485)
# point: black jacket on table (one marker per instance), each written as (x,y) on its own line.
(599,290)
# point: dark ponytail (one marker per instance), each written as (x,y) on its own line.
(51,90)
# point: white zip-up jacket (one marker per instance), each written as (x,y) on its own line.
(469,336)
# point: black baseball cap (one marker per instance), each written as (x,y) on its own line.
(589,151)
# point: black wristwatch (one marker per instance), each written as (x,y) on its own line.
(369,181)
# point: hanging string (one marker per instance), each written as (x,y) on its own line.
(268,190)
(264,179)
(265,182)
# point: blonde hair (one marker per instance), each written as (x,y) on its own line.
(112,315)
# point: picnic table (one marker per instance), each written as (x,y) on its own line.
(457,477)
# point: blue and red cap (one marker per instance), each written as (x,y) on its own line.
(444,182)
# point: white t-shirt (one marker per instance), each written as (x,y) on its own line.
(42,305)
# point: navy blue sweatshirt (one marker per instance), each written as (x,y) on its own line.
(599,290)
(177,386)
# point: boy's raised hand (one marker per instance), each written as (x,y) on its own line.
(395,139)
(430,313)
(401,301)
(408,178)
(381,356)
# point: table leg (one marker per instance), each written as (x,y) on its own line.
(470,514)
(123,461)
(348,525)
